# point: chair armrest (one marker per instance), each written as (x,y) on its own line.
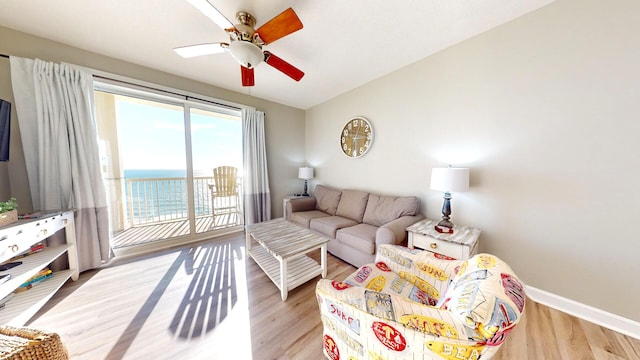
(301,204)
(357,306)
(395,232)
(419,267)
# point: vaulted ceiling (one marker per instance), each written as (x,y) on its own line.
(343,45)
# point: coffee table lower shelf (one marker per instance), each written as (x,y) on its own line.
(297,270)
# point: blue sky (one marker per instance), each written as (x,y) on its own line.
(152,137)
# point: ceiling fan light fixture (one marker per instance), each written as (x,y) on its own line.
(247,54)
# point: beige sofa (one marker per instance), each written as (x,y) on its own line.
(357,222)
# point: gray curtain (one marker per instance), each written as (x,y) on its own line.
(55,109)
(257,196)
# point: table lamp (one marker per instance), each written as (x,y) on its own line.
(305,173)
(448,180)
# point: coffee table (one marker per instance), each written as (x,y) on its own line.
(282,252)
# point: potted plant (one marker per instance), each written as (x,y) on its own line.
(8,212)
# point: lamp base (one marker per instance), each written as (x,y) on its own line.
(443,229)
(445,226)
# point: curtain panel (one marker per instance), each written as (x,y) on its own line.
(257,196)
(56,116)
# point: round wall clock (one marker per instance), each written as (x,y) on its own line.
(356,137)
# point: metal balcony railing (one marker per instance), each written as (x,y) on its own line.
(159,200)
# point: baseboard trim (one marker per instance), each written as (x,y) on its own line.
(600,317)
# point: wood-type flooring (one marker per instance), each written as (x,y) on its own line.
(207,301)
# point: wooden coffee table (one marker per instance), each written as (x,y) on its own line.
(282,253)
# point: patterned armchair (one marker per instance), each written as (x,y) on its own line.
(412,304)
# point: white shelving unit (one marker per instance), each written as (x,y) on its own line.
(16,239)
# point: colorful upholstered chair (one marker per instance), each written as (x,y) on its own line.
(412,304)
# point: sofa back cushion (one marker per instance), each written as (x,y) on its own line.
(326,199)
(352,204)
(383,209)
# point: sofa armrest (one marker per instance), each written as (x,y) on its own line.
(301,204)
(395,232)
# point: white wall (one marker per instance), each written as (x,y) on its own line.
(545,111)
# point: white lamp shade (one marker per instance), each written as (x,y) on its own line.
(450,179)
(305,173)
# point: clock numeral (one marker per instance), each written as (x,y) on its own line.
(356,137)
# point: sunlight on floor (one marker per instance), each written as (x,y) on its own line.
(190,303)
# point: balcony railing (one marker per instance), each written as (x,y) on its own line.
(159,200)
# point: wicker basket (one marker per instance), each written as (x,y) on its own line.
(8,217)
(23,343)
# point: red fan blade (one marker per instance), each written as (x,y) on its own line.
(247,76)
(288,69)
(280,26)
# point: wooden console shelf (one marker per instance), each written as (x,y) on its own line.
(16,239)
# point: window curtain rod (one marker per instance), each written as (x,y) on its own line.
(187,97)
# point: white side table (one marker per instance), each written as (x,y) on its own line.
(462,244)
(286,200)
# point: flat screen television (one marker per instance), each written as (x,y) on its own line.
(5,123)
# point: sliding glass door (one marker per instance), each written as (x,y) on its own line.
(157,157)
(216,140)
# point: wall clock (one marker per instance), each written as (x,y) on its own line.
(356,137)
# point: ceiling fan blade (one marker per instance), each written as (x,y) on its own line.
(247,76)
(280,26)
(288,69)
(212,13)
(200,49)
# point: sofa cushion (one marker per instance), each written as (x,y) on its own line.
(304,217)
(383,209)
(361,237)
(330,224)
(352,204)
(326,199)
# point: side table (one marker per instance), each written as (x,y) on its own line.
(462,244)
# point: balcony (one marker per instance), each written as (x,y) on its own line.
(156,209)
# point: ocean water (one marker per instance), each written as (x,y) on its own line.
(162,173)
(165,197)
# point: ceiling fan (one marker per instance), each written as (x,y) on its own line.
(246,43)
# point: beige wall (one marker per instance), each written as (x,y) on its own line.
(545,112)
(284,125)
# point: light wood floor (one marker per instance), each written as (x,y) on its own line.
(207,301)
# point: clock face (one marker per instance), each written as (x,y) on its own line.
(356,137)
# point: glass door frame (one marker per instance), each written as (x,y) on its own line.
(187,103)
